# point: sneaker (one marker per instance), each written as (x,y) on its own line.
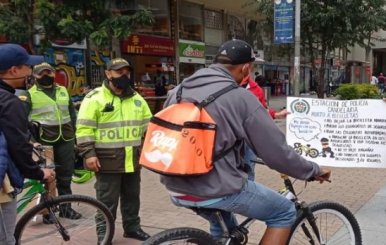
(69,213)
(48,219)
(138,234)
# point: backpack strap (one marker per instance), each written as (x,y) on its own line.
(215,95)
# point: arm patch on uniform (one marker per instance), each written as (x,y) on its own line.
(23,97)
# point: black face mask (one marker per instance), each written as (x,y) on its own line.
(46,80)
(122,82)
(28,80)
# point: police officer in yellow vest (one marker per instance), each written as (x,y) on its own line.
(110,126)
(51,106)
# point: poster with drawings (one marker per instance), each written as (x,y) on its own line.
(338,133)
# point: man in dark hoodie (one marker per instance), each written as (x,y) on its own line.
(241,119)
(15,68)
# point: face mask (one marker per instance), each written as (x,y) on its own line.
(46,80)
(122,82)
(26,82)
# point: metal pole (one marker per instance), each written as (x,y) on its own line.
(297,49)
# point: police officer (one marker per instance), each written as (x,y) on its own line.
(110,127)
(50,104)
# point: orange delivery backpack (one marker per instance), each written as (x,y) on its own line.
(180,139)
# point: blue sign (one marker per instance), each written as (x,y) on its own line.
(284,21)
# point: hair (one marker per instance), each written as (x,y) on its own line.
(221,59)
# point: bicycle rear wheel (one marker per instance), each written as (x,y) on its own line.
(180,236)
(96,226)
(336,225)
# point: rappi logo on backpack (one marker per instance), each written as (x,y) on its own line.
(160,141)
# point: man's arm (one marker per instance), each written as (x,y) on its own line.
(14,124)
(270,144)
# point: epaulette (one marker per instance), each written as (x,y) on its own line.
(92,92)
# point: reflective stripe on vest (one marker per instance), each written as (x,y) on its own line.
(48,111)
(121,128)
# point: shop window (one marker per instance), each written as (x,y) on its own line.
(191,21)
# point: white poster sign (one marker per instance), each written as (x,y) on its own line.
(338,133)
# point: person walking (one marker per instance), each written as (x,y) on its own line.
(240,120)
(110,127)
(50,104)
(15,149)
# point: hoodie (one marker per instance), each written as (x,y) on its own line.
(240,119)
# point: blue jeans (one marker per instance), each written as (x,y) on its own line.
(255,201)
(249,159)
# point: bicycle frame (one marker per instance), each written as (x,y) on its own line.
(239,234)
(35,188)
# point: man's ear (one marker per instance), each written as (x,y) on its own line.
(108,75)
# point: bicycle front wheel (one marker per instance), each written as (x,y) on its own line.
(96,226)
(335,223)
(184,235)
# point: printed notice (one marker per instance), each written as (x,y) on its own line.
(338,133)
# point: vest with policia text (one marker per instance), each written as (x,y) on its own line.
(115,127)
(53,115)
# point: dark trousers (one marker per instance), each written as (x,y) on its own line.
(64,158)
(110,187)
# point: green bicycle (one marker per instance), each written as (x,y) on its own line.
(96,226)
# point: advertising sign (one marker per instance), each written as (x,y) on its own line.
(283,21)
(148,45)
(191,52)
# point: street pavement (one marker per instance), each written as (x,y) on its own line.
(361,190)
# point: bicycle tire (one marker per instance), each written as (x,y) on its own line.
(96,217)
(183,235)
(336,224)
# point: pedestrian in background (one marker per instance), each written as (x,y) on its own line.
(254,88)
(110,127)
(50,104)
(15,149)
(381,83)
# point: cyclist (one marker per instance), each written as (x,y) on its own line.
(15,68)
(241,120)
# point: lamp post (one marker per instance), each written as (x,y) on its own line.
(297,49)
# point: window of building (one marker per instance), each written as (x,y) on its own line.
(160,10)
(213,19)
(236,27)
(191,21)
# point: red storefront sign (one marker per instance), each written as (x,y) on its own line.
(141,44)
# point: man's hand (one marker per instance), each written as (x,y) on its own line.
(49,174)
(281,114)
(324,176)
(92,163)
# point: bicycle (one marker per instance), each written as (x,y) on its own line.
(322,222)
(96,226)
(307,149)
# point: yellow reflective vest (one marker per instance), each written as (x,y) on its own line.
(53,115)
(113,127)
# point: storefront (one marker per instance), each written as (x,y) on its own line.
(153,61)
(191,57)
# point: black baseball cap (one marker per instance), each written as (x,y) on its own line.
(15,55)
(118,63)
(235,52)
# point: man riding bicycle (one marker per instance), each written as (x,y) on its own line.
(240,119)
